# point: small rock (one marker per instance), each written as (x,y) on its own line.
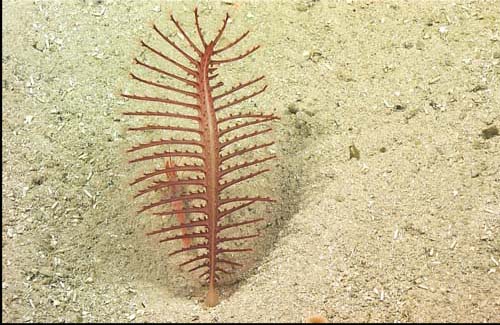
(420,45)
(38,180)
(28,119)
(293,108)
(490,132)
(434,80)
(39,45)
(339,198)
(315,56)
(479,88)
(408,45)
(496,55)
(89,280)
(434,105)
(474,173)
(354,152)
(399,108)
(10,232)
(301,7)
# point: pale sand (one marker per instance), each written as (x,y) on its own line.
(407,232)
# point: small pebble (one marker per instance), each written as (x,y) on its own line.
(39,45)
(38,180)
(399,107)
(339,198)
(354,152)
(479,88)
(434,80)
(474,173)
(292,108)
(489,132)
(301,7)
(420,45)
(315,56)
(28,119)
(408,45)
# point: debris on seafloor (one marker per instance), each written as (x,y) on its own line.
(353,152)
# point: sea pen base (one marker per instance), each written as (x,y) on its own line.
(212,297)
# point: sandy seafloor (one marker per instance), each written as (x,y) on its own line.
(407,232)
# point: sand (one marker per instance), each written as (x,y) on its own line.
(387,180)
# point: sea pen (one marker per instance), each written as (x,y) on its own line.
(214,151)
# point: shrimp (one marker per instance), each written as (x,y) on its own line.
(175,190)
